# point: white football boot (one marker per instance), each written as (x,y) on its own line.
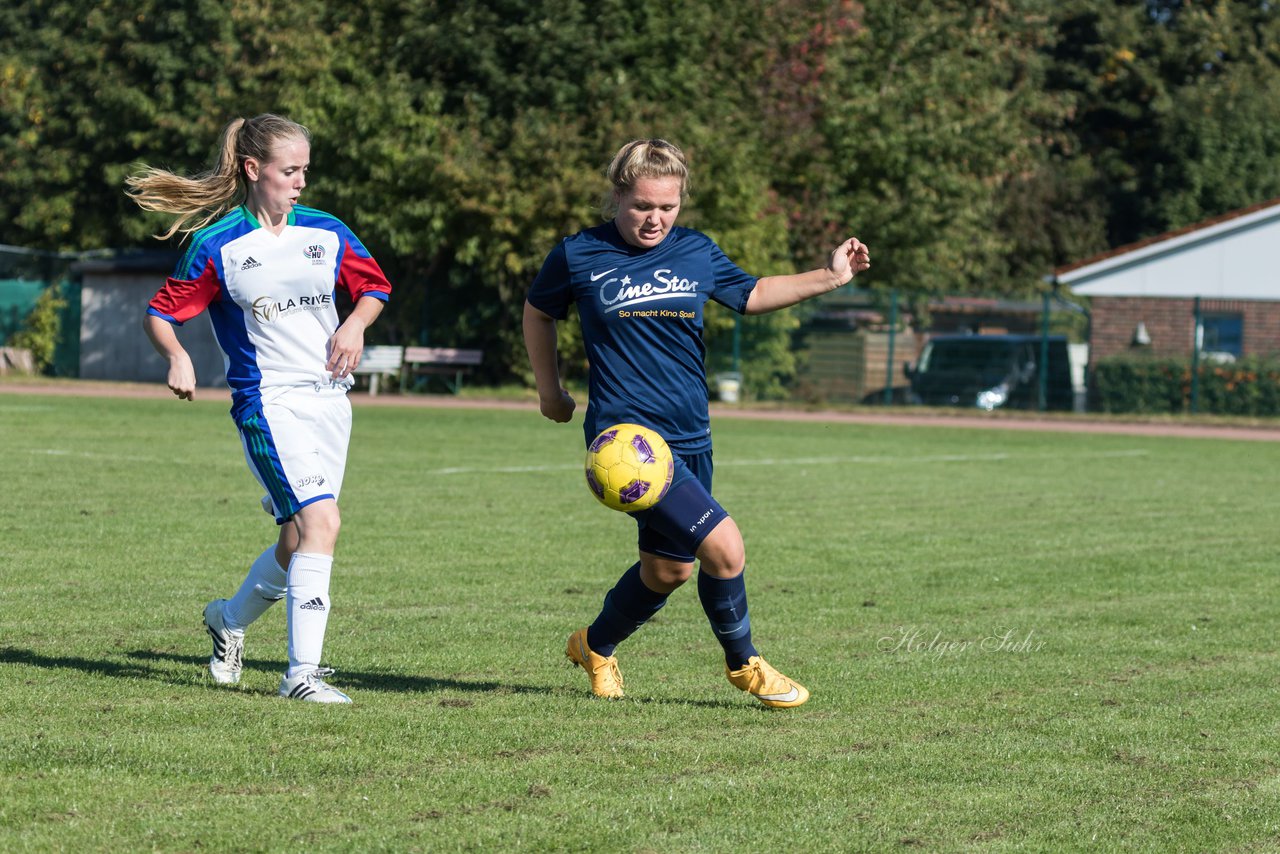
(310,686)
(228,646)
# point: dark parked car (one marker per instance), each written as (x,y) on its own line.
(990,371)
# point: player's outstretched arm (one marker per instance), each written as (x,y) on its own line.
(182,374)
(540,340)
(774,292)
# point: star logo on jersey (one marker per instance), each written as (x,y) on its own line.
(250,263)
(315,252)
(665,284)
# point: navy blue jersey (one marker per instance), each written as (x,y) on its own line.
(641,312)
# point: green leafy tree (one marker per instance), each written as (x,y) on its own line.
(541,94)
(973,146)
(89,84)
(932,115)
(1220,149)
(1170,106)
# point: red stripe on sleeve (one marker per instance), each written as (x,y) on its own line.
(361,275)
(183,299)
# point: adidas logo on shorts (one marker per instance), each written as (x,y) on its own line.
(315,604)
(250,263)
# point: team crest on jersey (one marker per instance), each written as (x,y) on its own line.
(315,252)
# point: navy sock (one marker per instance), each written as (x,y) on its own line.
(725,602)
(627,607)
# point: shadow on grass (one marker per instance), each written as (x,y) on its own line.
(355,679)
(140,666)
(101,667)
(148,664)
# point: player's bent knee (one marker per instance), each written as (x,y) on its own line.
(676,573)
(722,554)
(318,526)
(663,575)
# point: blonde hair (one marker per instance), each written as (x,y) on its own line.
(199,200)
(643,158)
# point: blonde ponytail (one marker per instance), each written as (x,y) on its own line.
(196,202)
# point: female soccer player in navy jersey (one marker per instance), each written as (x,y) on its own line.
(640,283)
(266,269)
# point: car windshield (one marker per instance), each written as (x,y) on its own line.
(965,356)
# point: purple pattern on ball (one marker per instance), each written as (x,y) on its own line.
(643,450)
(594,484)
(633,491)
(603,439)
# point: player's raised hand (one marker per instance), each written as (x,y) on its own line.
(849,259)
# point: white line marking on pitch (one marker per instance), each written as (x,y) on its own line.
(809,461)
(63,452)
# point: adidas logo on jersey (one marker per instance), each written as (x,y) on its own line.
(250,263)
(316,604)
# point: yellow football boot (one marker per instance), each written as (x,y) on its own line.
(767,685)
(606,680)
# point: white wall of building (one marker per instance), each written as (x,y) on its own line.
(113,345)
(1238,258)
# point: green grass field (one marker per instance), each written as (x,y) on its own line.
(1015,641)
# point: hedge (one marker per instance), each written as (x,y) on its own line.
(1162,386)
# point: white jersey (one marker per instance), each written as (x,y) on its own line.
(270,297)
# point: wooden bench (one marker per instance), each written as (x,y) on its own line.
(376,361)
(441,361)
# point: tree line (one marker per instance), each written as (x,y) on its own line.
(973,146)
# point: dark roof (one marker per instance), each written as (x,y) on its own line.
(1012,338)
(983,305)
(131,261)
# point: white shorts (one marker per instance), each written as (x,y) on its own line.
(296,446)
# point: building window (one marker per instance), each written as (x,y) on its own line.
(1223,333)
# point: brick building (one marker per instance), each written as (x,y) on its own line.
(1143,296)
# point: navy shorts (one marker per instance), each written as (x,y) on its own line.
(686,514)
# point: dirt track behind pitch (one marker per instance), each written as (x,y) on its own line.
(1257,430)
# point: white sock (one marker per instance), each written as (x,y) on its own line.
(308,602)
(262,587)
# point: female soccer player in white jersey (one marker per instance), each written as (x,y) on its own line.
(266,269)
(640,283)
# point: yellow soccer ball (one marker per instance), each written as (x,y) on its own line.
(629,467)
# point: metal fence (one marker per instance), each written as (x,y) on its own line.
(25,274)
(881,349)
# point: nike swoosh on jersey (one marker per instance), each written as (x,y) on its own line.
(595,277)
(781,698)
